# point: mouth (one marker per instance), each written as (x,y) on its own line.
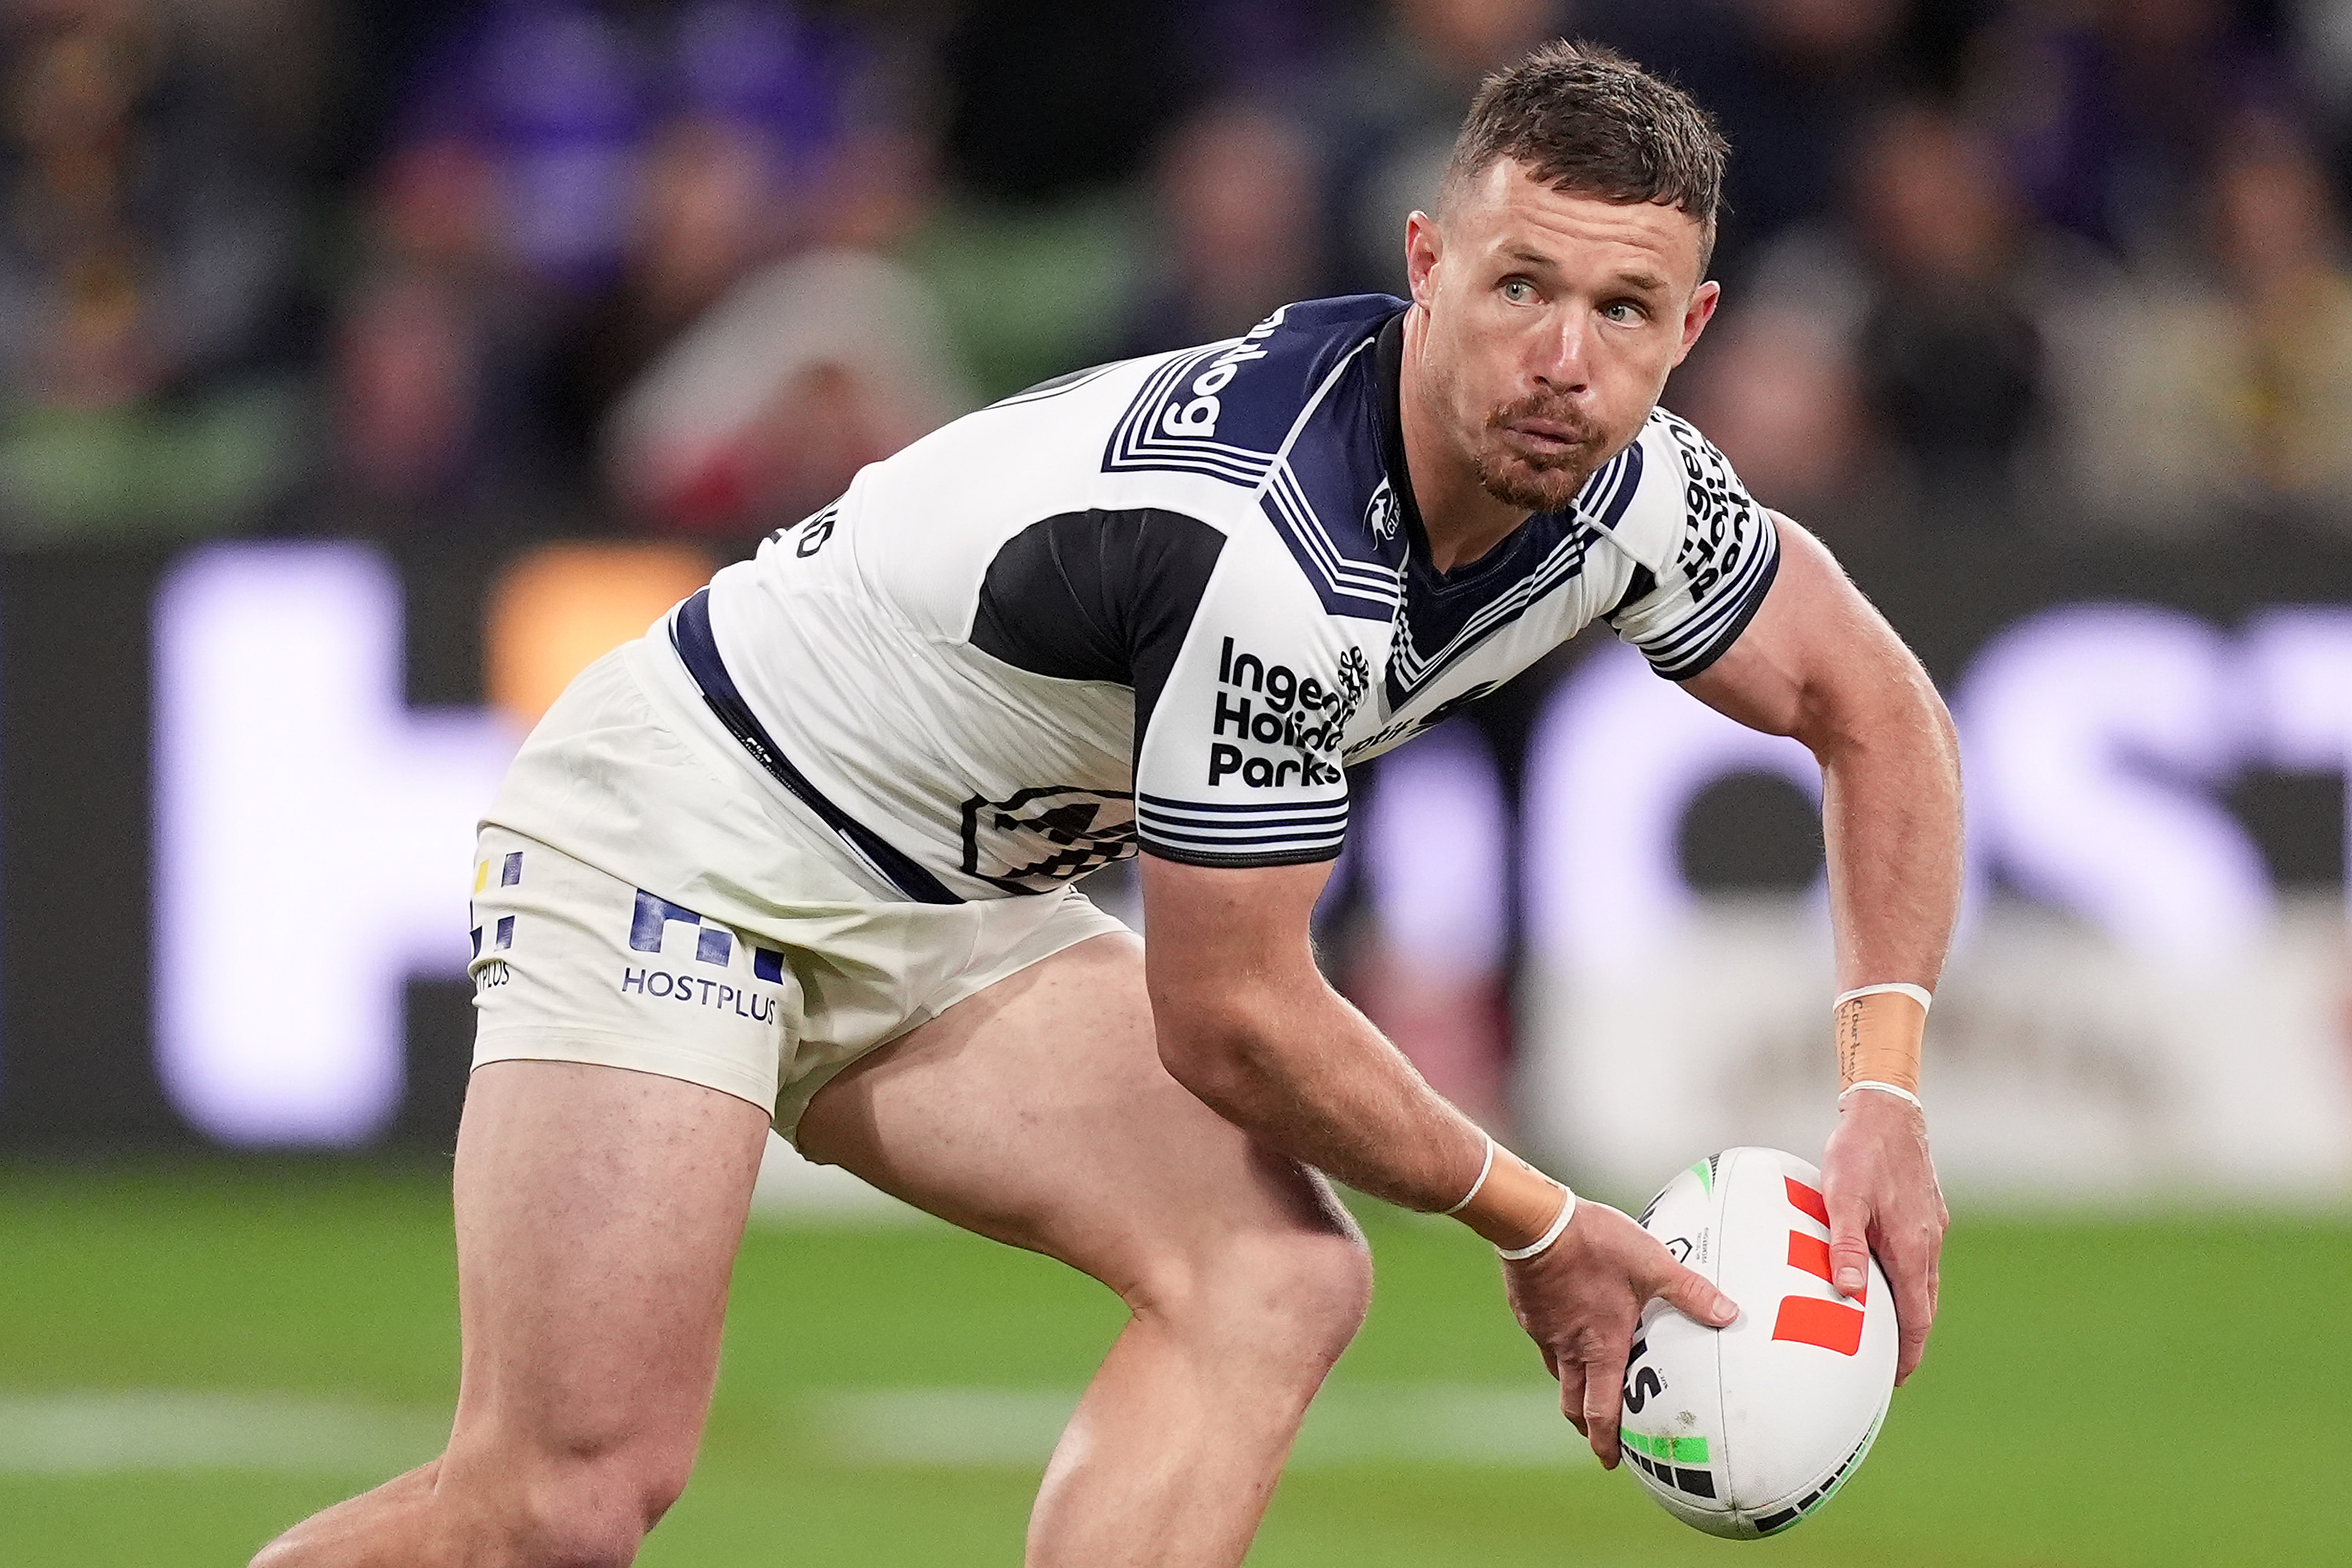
(1547,439)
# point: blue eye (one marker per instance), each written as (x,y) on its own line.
(1519,291)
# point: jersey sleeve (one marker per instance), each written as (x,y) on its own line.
(1238,746)
(1706,555)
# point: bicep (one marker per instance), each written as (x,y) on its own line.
(1814,654)
(1227,917)
(1224,944)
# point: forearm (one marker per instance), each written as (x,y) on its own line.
(1247,1023)
(1304,1072)
(1820,664)
(1891,824)
(1891,816)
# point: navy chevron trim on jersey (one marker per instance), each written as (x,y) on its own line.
(1347,582)
(1600,505)
(1410,669)
(1701,640)
(1606,495)
(1135,444)
(1368,590)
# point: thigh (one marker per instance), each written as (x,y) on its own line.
(1037,1113)
(599,1211)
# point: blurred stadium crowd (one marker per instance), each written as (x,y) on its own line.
(678,267)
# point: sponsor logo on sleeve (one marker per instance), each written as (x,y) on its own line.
(1182,419)
(1195,415)
(1272,727)
(1720,525)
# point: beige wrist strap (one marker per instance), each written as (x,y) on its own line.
(1513,1205)
(1880,1031)
(1551,1233)
(1485,1169)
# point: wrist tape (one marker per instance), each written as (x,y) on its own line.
(1513,1205)
(1880,1029)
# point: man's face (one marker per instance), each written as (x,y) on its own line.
(1552,323)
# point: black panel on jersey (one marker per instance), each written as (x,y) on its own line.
(1638,587)
(1098,596)
(1066,380)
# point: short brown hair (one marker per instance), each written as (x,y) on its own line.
(1588,122)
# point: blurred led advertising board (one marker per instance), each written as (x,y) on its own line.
(237,795)
(312,828)
(2134,1003)
(238,822)
(296,791)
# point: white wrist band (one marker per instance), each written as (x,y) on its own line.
(1485,1169)
(1919,993)
(1567,1211)
(1897,1091)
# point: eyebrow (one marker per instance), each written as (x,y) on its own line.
(1639,282)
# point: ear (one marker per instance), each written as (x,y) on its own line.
(1423,244)
(1696,315)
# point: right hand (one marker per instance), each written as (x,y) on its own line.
(1580,1299)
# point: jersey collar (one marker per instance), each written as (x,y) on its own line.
(1388,374)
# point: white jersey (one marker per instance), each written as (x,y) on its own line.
(1159,603)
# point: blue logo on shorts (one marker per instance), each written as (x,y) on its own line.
(651,923)
(509,874)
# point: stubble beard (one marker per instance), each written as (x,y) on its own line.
(1535,482)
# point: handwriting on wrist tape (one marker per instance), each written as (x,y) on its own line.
(1880,1030)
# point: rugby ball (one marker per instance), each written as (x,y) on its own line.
(1744,1431)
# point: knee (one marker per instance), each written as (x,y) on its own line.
(596,1512)
(580,1509)
(1280,1306)
(1323,1288)
(494,1501)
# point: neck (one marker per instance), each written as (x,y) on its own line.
(1462,521)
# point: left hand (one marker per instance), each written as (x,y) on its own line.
(1580,1299)
(1880,1187)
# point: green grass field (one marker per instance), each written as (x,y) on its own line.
(192,1356)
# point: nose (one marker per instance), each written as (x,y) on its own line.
(1563,364)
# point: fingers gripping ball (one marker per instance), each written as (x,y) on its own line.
(1743,1431)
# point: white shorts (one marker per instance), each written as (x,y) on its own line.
(646,897)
